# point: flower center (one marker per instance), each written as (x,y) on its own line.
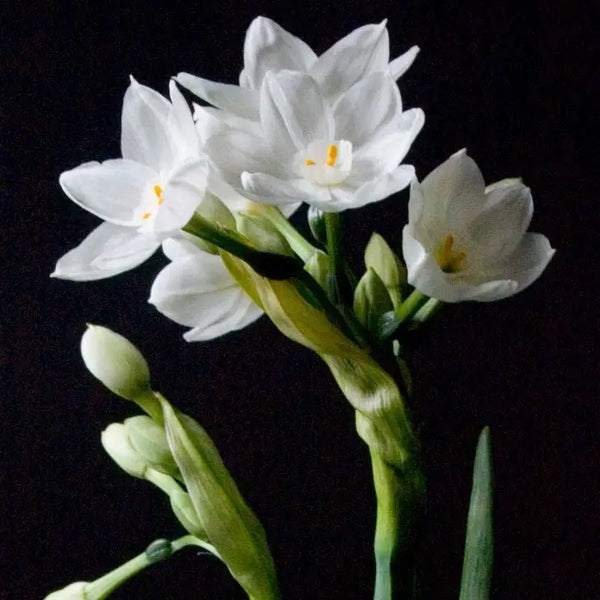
(449,260)
(148,207)
(325,163)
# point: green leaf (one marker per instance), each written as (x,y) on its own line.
(478,559)
(230,525)
(381,418)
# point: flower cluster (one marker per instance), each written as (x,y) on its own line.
(329,131)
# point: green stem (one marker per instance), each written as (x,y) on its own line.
(410,306)
(102,587)
(400,496)
(426,312)
(340,292)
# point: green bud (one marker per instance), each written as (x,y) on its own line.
(116,362)
(74,591)
(159,550)
(115,441)
(212,209)
(316,222)
(183,509)
(263,234)
(371,299)
(149,439)
(318,267)
(380,257)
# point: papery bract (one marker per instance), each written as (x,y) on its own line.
(143,197)
(334,158)
(269,47)
(197,290)
(464,241)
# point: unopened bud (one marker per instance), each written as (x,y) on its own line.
(149,439)
(115,440)
(371,299)
(381,258)
(263,234)
(183,509)
(74,591)
(316,222)
(116,362)
(319,267)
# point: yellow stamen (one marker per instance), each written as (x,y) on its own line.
(158,192)
(448,259)
(331,155)
(146,216)
(309,162)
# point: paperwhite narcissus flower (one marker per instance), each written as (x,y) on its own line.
(270,47)
(464,241)
(334,158)
(197,290)
(143,197)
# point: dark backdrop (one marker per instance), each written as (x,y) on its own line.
(514,83)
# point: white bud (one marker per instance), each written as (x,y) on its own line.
(149,440)
(115,440)
(74,591)
(116,362)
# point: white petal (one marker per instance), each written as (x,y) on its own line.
(400,65)
(236,151)
(383,154)
(506,216)
(363,51)
(454,193)
(293,113)
(527,262)
(232,98)
(270,47)
(183,192)
(197,290)
(181,126)
(427,277)
(272,190)
(372,191)
(144,133)
(107,251)
(111,190)
(380,94)
(246,313)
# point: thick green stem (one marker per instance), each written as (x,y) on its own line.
(340,291)
(400,495)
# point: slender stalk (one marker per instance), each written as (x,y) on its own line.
(340,292)
(410,306)
(102,587)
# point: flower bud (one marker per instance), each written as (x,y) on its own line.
(116,362)
(183,509)
(115,440)
(263,235)
(316,222)
(149,440)
(74,591)
(371,299)
(318,266)
(380,257)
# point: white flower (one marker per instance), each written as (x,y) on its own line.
(270,47)
(197,290)
(464,241)
(143,197)
(334,158)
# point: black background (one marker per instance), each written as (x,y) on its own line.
(512,81)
